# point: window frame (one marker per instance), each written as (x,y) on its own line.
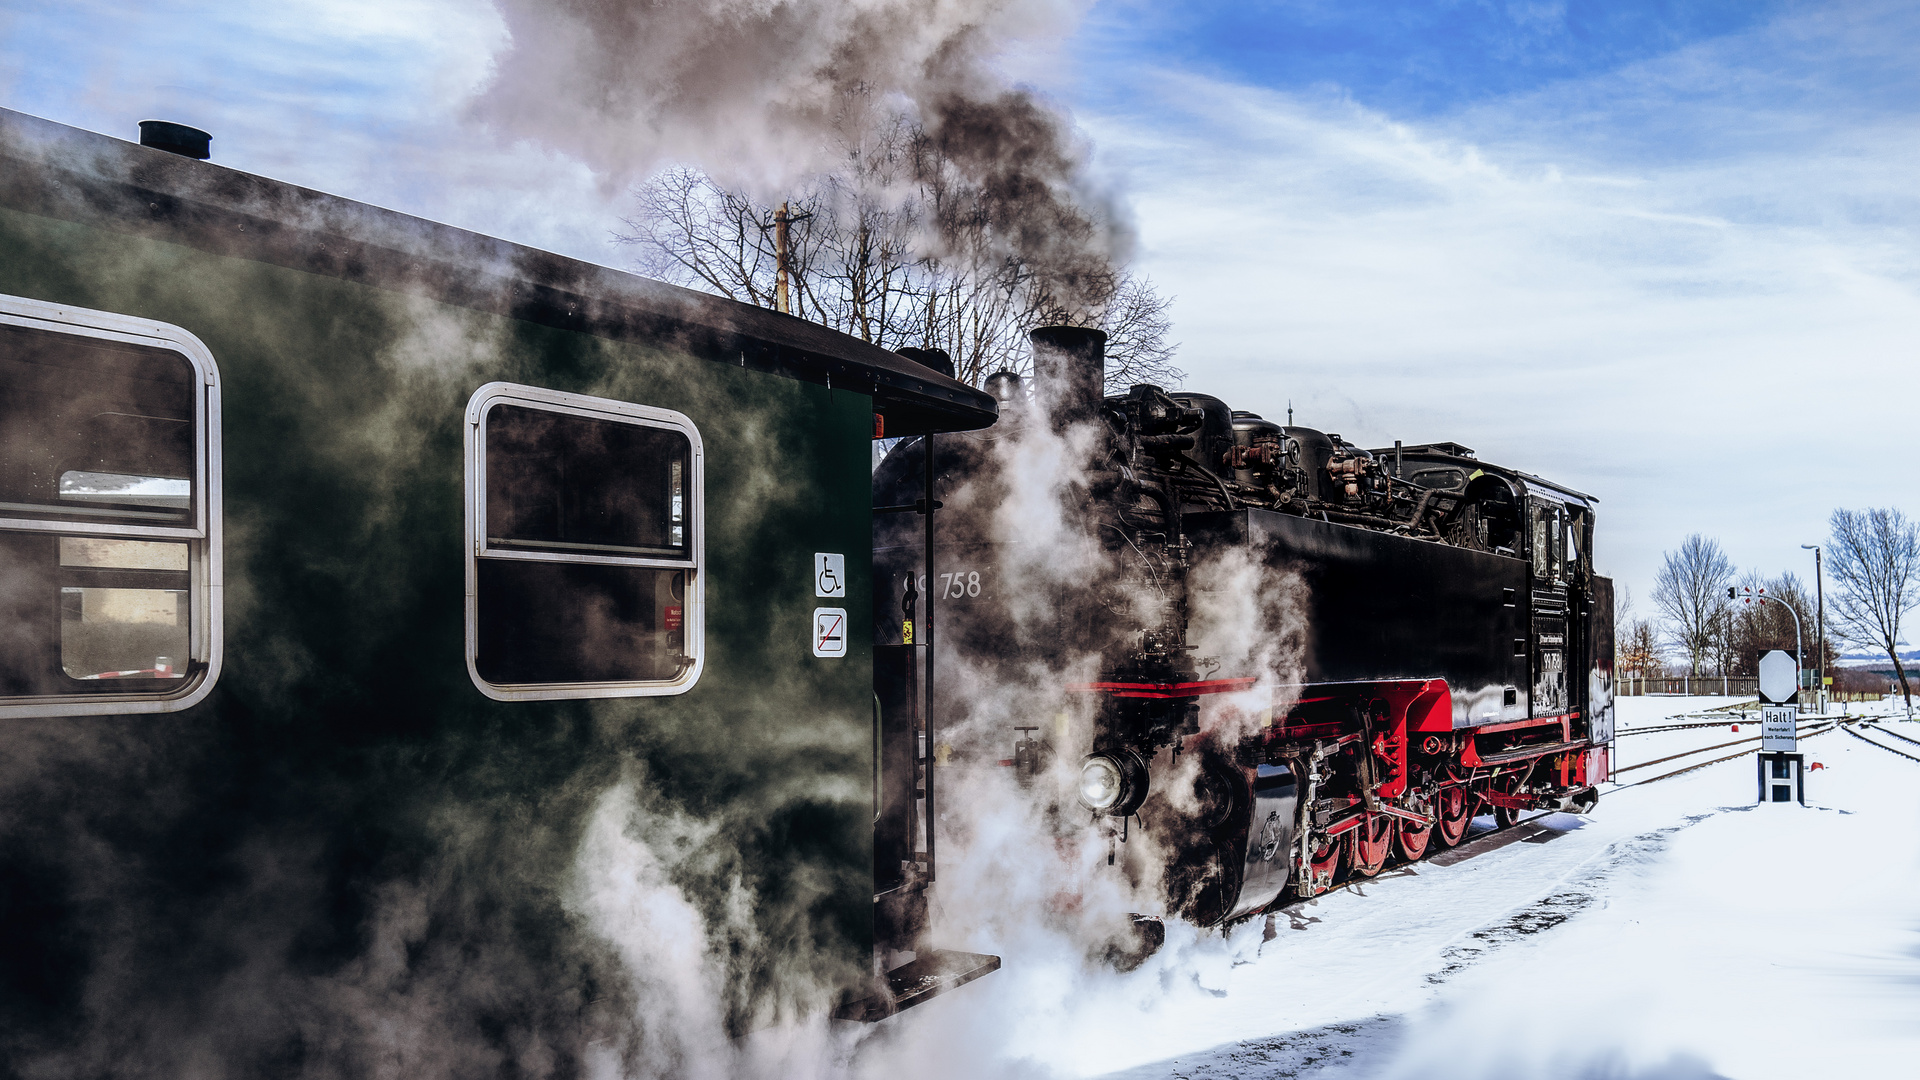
(206,592)
(476,547)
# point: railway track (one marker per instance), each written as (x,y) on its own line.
(1805,729)
(1897,735)
(1656,729)
(1884,746)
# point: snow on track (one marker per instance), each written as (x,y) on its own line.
(1679,931)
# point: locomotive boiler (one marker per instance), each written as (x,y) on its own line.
(1434,645)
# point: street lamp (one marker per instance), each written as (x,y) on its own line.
(1749,594)
(1820,642)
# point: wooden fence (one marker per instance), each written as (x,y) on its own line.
(1712,686)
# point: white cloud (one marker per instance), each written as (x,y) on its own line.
(1713,342)
(364,98)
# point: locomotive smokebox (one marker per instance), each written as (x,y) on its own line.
(1069,373)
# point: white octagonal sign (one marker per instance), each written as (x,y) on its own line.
(1779,676)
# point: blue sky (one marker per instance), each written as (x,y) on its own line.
(1665,252)
(1412,57)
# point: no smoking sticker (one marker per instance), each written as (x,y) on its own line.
(829,631)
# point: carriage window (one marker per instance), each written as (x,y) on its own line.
(107,528)
(585,576)
(123,609)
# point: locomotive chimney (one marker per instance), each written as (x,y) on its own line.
(1069,372)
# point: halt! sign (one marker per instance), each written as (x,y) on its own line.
(1777,729)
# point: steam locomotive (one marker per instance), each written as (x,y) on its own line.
(1441,648)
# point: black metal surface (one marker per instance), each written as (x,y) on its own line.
(930,452)
(188,142)
(1600,674)
(1381,606)
(1270,836)
(895,692)
(925,977)
(1069,371)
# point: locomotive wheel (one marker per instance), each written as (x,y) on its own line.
(1412,840)
(1324,866)
(1502,816)
(1372,843)
(1452,804)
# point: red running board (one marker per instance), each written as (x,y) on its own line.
(1163,690)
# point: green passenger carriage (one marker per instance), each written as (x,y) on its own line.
(349,560)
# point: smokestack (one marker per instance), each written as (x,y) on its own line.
(1069,373)
(176,139)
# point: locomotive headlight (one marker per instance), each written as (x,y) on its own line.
(1100,783)
(1113,782)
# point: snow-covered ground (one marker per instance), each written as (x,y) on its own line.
(1678,931)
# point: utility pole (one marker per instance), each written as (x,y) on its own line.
(780,300)
(1820,643)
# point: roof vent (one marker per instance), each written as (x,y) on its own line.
(937,359)
(176,139)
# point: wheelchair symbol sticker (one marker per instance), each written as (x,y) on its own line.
(829,574)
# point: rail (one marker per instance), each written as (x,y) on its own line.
(1881,745)
(1833,725)
(1897,735)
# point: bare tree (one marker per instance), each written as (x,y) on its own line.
(1760,626)
(1640,650)
(1874,558)
(1691,593)
(1137,326)
(901,245)
(691,231)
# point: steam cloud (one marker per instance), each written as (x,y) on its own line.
(762,93)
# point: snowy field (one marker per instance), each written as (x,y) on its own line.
(1679,931)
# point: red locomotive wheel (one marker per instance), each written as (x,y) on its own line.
(1506,817)
(1412,840)
(1371,844)
(1325,863)
(1452,805)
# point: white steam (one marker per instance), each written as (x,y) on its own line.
(751,90)
(1249,618)
(672,1020)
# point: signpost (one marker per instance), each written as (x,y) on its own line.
(1781,770)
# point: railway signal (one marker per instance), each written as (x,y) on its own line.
(1781,770)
